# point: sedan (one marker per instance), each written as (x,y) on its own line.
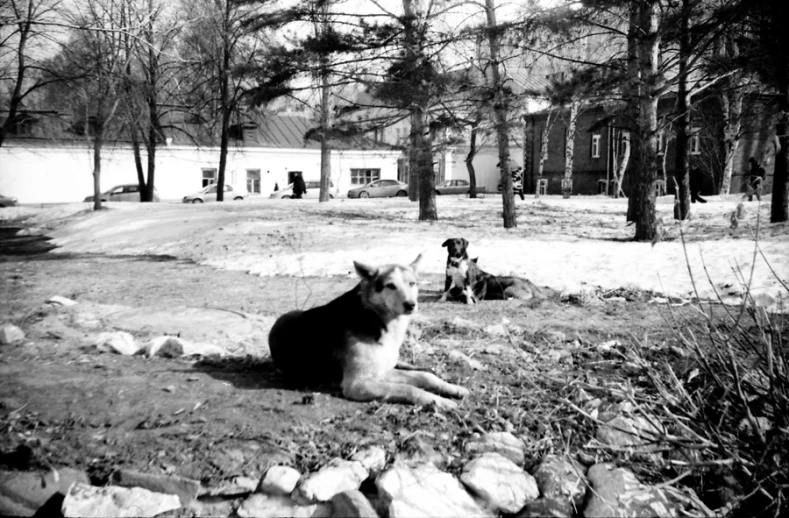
(456,187)
(380,189)
(125,192)
(313,191)
(208,193)
(7,201)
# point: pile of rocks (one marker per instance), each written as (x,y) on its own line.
(492,482)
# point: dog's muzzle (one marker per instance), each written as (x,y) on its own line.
(409,307)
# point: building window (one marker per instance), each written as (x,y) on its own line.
(695,141)
(596,146)
(209,176)
(363,176)
(253,181)
(661,142)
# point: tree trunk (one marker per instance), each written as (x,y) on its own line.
(500,109)
(632,93)
(731,104)
(648,53)
(544,141)
(682,124)
(325,123)
(472,152)
(569,151)
(97,144)
(622,160)
(135,138)
(424,170)
(780,198)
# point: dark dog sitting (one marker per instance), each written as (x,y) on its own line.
(467,282)
(456,252)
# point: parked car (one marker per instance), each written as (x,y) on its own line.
(208,193)
(380,189)
(125,192)
(7,201)
(313,191)
(457,187)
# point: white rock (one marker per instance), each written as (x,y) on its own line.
(499,482)
(635,432)
(280,480)
(119,342)
(496,330)
(202,349)
(113,501)
(63,301)
(372,458)
(336,476)
(617,492)
(499,442)
(426,491)
(10,333)
(267,506)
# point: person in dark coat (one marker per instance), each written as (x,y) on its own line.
(696,182)
(517,182)
(755,179)
(299,188)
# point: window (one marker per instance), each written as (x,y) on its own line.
(661,142)
(253,181)
(595,146)
(695,141)
(209,176)
(363,176)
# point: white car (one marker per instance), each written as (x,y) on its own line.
(208,193)
(313,191)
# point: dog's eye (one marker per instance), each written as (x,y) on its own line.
(391,286)
(412,284)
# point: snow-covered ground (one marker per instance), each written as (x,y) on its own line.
(570,245)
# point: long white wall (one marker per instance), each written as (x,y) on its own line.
(58,174)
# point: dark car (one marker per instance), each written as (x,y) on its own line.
(457,187)
(125,192)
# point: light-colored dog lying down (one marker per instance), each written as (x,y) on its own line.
(355,340)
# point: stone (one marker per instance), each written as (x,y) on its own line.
(165,347)
(416,450)
(62,301)
(636,433)
(280,480)
(175,347)
(616,492)
(458,356)
(372,458)
(424,490)
(503,443)
(352,504)
(24,492)
(499,482)
(496,330)
(119,342)
(336,476)
(269,506)
(87,501)
(186,489)
(213,508)
(547,508)
(10,333)
(561,479)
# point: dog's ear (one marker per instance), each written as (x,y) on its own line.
(364,271)
(475,260)
(415,264)
(465,242)
(446,243)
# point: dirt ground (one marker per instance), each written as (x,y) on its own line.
(65,403)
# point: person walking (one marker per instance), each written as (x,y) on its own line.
(299,188)
(517,182)
(696,182)
(755,179)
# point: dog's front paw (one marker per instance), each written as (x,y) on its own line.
(443,298)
